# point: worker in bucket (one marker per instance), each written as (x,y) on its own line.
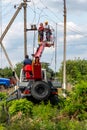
(40,32)
(27,60)
(47,31)
(27,67)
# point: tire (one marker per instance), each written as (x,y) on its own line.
(40,90)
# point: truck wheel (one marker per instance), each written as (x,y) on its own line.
(40,90)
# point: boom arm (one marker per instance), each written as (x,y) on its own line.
(40,49)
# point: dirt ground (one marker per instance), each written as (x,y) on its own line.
(7,90)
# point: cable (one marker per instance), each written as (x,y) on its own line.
(70,28)
(40,15)
(34,11)
(7,8)
(50,10)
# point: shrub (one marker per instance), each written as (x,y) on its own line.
(3,95)
(76,103)
(44,111)
(22,105)
(2,127)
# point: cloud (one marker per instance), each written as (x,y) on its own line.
(72,26)
(10,1)
(53,12)
(73,37)
(77,6)
(13,35)
(72,5)
(82,1)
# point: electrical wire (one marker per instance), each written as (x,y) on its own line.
(34,11)
(50,11)
(69,27)
(7,7)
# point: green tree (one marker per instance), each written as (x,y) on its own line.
(50,72)
(18,68)
(76,70)
(6,72)
(76,102)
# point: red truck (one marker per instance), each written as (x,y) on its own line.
(35,87)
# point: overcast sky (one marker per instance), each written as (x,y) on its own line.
(41,11)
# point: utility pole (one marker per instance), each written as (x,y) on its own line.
(56,51)
(24,4)
(3,35)
(25,27)
(64,60)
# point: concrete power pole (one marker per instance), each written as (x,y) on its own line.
(24,4)
(25,27)
(3,35)
(64,60)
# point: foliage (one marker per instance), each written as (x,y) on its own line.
(22,105)
(49,71)
(76,70)
(3,95)
(29,124)
(6,72)
(44,111)
(70,114)
(28,116)
(67,124)
(2,127)
(18,68)
(76,103)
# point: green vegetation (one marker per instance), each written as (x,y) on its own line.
(69,114)
(7,72)
(76,70)
(76,102)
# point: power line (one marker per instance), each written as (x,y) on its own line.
(34,11)
(56,16)
(7,7)
(69,27)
